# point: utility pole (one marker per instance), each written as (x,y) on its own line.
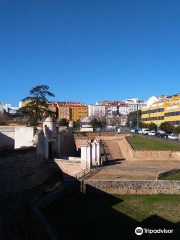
(137,126)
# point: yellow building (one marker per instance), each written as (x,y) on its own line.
(78,112)
(72,111)
(164,110)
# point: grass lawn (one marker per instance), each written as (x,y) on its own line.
(113,217)
(175,177)
(143,143)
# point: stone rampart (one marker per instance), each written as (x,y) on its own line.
(68,167)
(126,187)
(21,170)
(7,137)
(80,140)
(167,173)
(130,154)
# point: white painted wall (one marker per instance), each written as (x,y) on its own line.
(24,136)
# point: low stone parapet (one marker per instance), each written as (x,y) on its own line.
(129,187)
(130,154)
(167,173)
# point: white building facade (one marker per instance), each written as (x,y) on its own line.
(9,109)
(135,104)
(96,110)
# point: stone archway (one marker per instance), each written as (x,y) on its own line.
(52,149)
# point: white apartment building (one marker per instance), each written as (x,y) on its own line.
(96,110)
(9,109)
(117,110)
(100,110)
(135,103)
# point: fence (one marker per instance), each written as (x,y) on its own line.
(82,173)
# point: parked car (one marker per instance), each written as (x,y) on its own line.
(163,135)
(140,131)
(152,133)
(133,130)
(146,132)
(158,134)
(173,136)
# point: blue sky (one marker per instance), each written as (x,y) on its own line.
(89,50)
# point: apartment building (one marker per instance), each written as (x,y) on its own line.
(97,109)
(135,103)
(10,110)
(163,109)
(1,108)
(72,111)
(108,108)
(116,110)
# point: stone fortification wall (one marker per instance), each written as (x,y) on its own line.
(67,143)
(7,137)
(20,170)
(128,187)
(69,167)
(167,173)
(130,154)
(133,187)
(80,140)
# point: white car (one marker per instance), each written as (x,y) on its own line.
(146,132)
(140,131)
(152,133)
(133,130)
(173,136)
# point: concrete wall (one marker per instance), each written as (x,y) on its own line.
(21,170)
(7,137)
(130,154)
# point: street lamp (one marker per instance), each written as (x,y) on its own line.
(137,126)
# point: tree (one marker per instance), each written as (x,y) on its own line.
(177,130)
(63,122)
(143,125)
(152,126)
(3,119)
(36,107)
(167,127)
(95,123)
(77,124)
(102,121)
(132,118)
